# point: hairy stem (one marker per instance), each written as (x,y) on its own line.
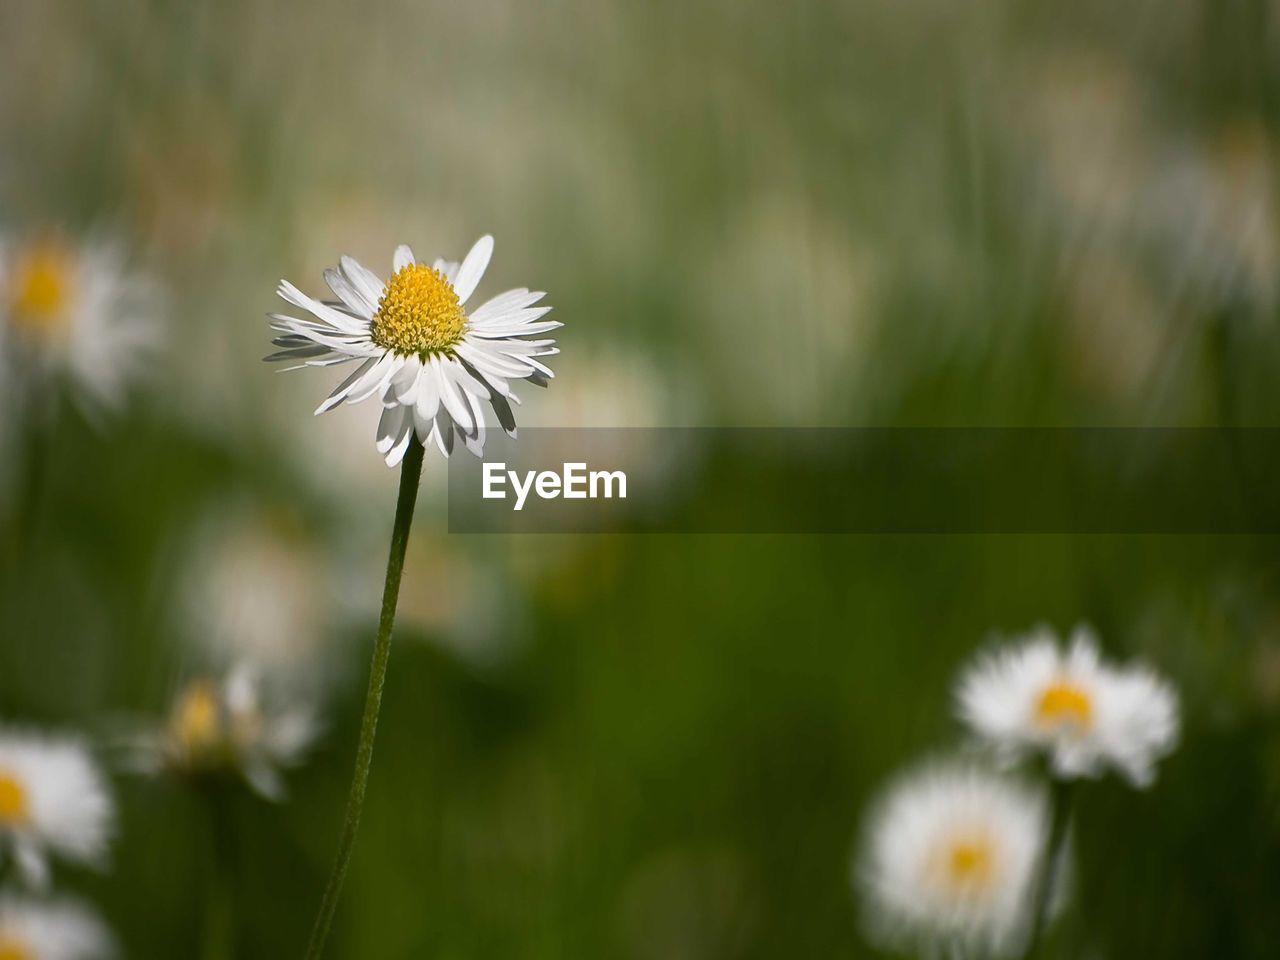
(410,473)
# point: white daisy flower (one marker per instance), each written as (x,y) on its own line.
(73,311)
(215,729)
(51,930)
(950,860)
(52,800)
(415,346)
(1084,714)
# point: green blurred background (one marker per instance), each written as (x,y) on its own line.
(814,213)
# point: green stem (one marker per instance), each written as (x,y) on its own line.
(20,530)
(410,473)
(219,941)
(37,418)
(1060,796)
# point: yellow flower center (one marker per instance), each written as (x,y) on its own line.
(967,864)
(15,808)
(419,313)
(1063,704)
(41,289)
(197,718)
(11,948)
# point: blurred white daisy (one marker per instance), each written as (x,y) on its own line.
(1084,714)
(254,589)
(51,930)
(226,728)
(52,800)
(74,312)
(431,362)
(949,862)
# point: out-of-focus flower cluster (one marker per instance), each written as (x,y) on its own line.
(78,328)
(54,802)
(961,858)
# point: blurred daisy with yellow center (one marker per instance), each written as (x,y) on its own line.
(53,800)
(72,310)
(14,808)
(967,862)
(227,728)
(196,723)
(434,364)
(42,289)
(950,860)
(51,930)
(1081,713)
(1064,704)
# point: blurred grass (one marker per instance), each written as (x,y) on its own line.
(809,214)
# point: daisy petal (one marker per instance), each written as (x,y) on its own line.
(376,379)
(506,416)
(362,278)
(352,298)
(332,316)
(389,428)
(475,441)
(451,394)
(510,318)
(403,258)
(473,267)
(516,330)
(447,267)
(299,353)
(397,452)
(428,393)
(504,302)
(341,390)
(405,383)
